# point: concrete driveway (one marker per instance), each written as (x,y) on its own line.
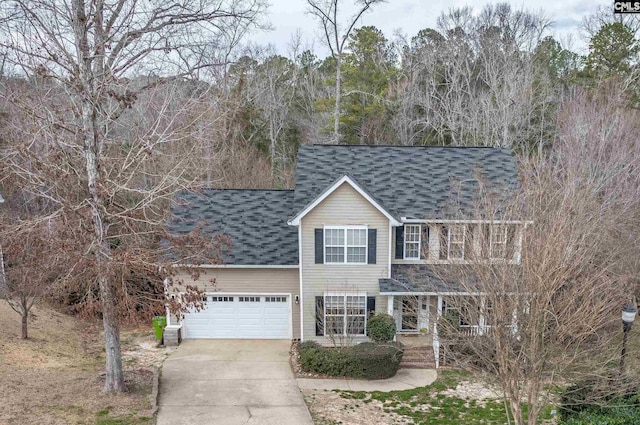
(229,382)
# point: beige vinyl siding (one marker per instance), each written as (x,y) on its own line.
(258,281)
(345,206)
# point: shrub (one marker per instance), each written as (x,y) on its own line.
(367,360)
(381,328)
(599,401)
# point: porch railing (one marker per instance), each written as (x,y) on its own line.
(474,330)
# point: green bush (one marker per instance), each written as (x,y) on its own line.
(599,401)
(366,361)
(381,328)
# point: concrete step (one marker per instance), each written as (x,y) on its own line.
(417,359)
(418,365)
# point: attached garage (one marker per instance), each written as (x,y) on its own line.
(255,290)
(260,316)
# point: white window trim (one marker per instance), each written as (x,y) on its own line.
(346,245)
(492,229)
(464,239)
(413,242)
(344,296)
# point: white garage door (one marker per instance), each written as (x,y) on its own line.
(241,316)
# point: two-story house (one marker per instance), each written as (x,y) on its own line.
(365,230)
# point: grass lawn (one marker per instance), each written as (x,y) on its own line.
(441,403)
(55,377)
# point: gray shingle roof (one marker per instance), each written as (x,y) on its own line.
(439,278)
(255,220)
(410,181)
(424,278)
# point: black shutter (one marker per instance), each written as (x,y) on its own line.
(371,310)
(320,316)
(424,240)
(399,243)
(372,240)
(319,246)
(371,306)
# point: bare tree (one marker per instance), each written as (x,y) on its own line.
(336,34)
(85,54)
(473,81)
(273,88)
(27,279)
(603,15)
(551,315)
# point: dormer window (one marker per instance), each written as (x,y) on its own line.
(412,235)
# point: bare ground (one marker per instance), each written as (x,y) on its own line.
(55,377)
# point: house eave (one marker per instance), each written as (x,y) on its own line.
(443,221)
(237,266)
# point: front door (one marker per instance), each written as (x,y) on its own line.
(414,314)
(410,313)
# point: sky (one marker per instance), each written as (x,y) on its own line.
(409,16)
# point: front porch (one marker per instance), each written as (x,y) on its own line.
(417,317)
(418,296)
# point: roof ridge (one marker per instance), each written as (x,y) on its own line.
(408,146)
(244,189)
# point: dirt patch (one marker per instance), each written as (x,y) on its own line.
(453,393)
(329,408)
(469,390)
(56,376)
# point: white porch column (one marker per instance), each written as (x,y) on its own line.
(390,305)
(483,321)
(436,339)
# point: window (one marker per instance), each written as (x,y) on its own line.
(249,299)
(345,314)
(275,299)
(222,299)
(452,241)
(345,245)
(412,242)
(498,242)
(461,314)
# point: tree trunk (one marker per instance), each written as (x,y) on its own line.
(25,316)
(336,111)
(91,73)
(114,380)
(114,376)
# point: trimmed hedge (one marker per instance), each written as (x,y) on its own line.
(381,328)
(364,361)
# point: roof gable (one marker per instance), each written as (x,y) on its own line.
(295,220)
